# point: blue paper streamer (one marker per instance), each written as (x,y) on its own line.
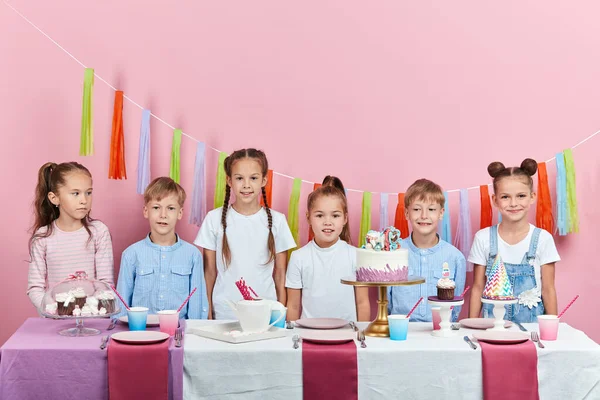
(445,229)
(143,168)
(383,211)
(463,231)
(562,212)
(198,195)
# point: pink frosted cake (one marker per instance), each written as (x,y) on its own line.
(381,259)
(498,286)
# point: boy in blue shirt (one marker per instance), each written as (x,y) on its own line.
(160,271)
(424,207)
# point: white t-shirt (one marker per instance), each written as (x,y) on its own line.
(545,253)
(247,236)
(317,271)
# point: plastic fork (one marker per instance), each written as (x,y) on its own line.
(536,338)
(178,336)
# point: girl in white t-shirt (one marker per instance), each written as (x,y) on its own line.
(315,270)
(528,253)
(244,239)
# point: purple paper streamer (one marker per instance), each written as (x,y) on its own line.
(198,195)
(143,169)
(383,211)
(463,231)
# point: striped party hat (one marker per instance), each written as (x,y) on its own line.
(498,286)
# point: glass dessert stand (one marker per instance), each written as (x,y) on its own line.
(79,330)
(380,327)
(499,312)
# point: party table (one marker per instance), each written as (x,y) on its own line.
(422,367)
(37,363)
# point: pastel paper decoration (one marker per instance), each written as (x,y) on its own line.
(116,165)
(571,191)
(268,189)
(463,231)
(143,169)
(498,286)
(198,209)
(444,229)
(311,234)
(383,211)
(365,219)
(400,221)
(486,207)
(543,215)
(562,210)
(174,171)
(293,210)
(221,182)
(86,144)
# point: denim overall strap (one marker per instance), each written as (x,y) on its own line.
(493,242)
(530,255)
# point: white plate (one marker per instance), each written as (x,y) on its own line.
(328,336)
(151,321)
(321,323)
(500,337)
(223,331)
(481,323)
(140,337)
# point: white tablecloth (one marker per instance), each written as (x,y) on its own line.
(422,367)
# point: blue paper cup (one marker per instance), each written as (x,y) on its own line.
(137,317)
(275,314)
(398,327)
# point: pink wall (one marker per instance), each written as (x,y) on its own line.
(379,94)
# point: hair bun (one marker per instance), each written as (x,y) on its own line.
(495,168)
(529,165)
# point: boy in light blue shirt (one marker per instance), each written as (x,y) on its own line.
(424,208)
(160,271)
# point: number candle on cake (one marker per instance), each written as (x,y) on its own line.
(382,259)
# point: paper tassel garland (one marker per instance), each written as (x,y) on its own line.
(383,211)
(198,194)
(400,221)
(562,211)
(221,181)
(365,219)
(293,219)
(486,207)
(174,171)
(268,190)
(143,169)
(463,231)
(543,215)
(86,145)
(445,230)
(571,192)
(311,234)
(116,165)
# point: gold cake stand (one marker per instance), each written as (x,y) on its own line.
(379,327)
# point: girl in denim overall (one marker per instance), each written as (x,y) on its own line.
(513,196)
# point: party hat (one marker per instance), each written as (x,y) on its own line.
(498,286)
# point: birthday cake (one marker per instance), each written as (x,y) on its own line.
(381,259)
(498,286)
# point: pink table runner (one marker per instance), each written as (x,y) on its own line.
(138,371)
(330,371)
(509,371)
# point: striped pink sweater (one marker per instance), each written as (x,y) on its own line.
(62,253)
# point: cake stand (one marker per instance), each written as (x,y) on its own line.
(498,312)
(445,314)
(379,327)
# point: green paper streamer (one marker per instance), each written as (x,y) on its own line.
(571,192)
(174,171)
(365,219)
(293,212)
(86,145)
(221,181)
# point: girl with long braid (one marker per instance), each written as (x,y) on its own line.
(244,239)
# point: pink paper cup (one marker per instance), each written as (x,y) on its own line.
(548,325)
(168,321)
(436,318)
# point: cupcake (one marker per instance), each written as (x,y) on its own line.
(445,286)
(107,300)
(80,296)
(66,303)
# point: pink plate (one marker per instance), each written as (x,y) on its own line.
(499,337)
(321,323)
(328,337)
(481,323)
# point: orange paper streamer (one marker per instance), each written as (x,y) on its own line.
(268,189)
(400,221)
(116,168)
(543,214)
(486,207)
(311,234)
